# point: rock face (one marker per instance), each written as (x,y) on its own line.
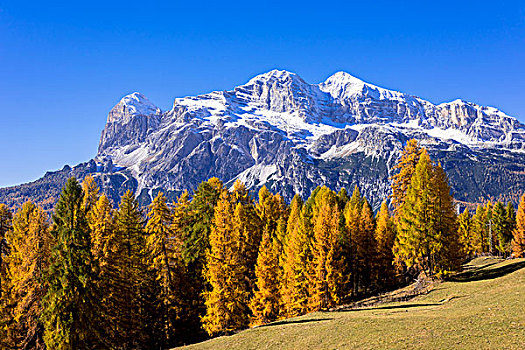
(280,131)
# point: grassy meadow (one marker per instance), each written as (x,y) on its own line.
(480,308)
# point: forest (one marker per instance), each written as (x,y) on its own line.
(102,275)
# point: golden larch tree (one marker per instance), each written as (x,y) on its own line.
(352,225)
(27,263)
(326,280)
(406,166)
(6,218)
(249,227)
(478,230)
(385,235)
(427,238)
(162,263)
(102,224)
(450,251)
(518,235)
(91,192)
(265,301)
(465,231)
(227,300)
(294,262)
(365,247)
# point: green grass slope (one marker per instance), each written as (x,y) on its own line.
(482,308)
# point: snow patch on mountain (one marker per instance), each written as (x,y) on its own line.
(342,85)
(132,105)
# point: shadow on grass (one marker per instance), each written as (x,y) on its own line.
(483,265)
(390,307)
(285,322)
(484,273)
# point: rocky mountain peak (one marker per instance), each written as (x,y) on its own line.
(280,91)
(342,84)
(132,105)
(276,76)
(129,121)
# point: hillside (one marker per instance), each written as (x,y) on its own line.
(280,131)
(483,308)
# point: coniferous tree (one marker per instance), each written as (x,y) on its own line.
(518,235)
(352,226)
(499,229)
(385,237)
(248,224)
(265,301)
(294,262)
(27,263)
(465,233)
(5,226)
(510,218)
(413,245)
(326,280)
(407,167)
(226,300)
(5,313)
(365,246)
(427,237)
(450,253)
(15,237)
(479,231)
(196,237)
(510,225)
(188,282)
(489,240)
(342,198)
(192,224)
(102,226)
(70,310)
(162,253)
(270,208)
(91,193)
(273,214)
(132,304)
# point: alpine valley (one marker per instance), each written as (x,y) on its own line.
(280,131)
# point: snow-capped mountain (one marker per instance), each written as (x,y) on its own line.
(280,131)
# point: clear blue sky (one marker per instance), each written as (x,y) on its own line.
(63,65)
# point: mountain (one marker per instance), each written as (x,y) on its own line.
(280,131)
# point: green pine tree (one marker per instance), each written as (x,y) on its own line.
(70,311)
(133,304)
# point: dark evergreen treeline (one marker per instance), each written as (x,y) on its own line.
(217,260)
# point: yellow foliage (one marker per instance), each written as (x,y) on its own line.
(326,280)
(226,301)
(265,301)
(30,248)
(518,235)
(407,166)
(294,263)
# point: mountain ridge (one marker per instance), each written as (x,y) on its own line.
(280,131)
